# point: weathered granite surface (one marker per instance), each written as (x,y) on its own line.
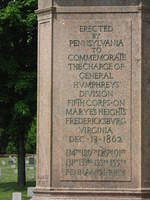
(93,138)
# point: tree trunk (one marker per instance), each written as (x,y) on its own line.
(21,161)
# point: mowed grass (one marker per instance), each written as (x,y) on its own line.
(8,180)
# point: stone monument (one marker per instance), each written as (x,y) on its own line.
(93,137)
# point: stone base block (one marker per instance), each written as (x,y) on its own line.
(121,196)
(89,198)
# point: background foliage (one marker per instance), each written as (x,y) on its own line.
(18,39)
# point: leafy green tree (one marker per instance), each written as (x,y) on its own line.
(18,30)
(31,139)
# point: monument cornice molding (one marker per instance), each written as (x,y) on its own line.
(44,14)
(91,9)
(45,10)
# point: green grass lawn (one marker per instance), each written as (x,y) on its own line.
(8,181)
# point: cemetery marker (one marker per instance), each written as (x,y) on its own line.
(16,196)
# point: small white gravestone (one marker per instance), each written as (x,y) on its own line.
(10,162)
(16,196)
(27,161)
(31,176)
(14,160)
(3,162)
(31,167)
(13,166)
(30,191)
(31,161)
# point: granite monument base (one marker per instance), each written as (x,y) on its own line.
(105,195)
(91,197)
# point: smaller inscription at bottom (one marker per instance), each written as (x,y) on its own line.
(94,163)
